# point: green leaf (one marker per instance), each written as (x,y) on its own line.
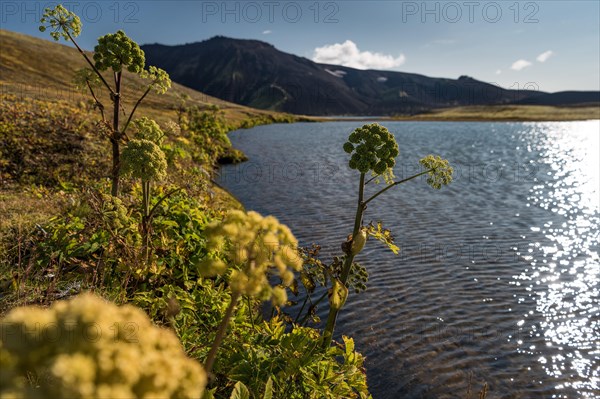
(209,393)
(349,342)
(268,389)
(240,391)
(383,235)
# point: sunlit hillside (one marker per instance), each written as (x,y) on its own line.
(43,69)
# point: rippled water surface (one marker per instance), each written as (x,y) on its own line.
(498,279)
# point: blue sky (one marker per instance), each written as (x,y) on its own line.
(548,45)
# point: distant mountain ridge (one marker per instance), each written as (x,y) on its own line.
(256,74)
(563,98)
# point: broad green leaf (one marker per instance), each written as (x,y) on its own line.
(240,391)
(268,389)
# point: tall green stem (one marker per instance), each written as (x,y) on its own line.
(146,216)
(212,355)
(349,258)
(333,312)
(116,136)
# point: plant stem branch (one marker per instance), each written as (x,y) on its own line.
(112,92)
(210,360)
(312,306)
(251,312)
(395,184)
(98,103)
(302,308)
(135,108)
(371,179)
(164,197)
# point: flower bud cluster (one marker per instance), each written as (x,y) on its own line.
(63,21)
(114,212)
(142,157)
(161,82)
(144,160)
(441,171)
(373,148)
(116,50)
(148,129)
(85,77)
(89,348)
(260,244)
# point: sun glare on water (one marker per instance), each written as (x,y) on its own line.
(567,263)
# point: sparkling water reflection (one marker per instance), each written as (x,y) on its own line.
(568,269)
(498,277)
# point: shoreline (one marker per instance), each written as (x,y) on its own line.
(493,113)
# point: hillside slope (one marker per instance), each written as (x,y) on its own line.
(42,69)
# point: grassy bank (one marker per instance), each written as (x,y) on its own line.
(63,234)
(508,113)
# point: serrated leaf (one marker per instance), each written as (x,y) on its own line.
(383,235)
(349,343)
(240,391)
(268,389)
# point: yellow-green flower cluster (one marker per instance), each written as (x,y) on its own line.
(148,129)
(373,148)
(259,244)
(84,77)
(143,159)
(89,348)
(63,21)
(161,82)
(116,50)
(114,212)
(441,171)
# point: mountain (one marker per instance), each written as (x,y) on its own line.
(256,74)
(563,98)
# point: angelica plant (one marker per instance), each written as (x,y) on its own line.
(373,149)
(96,350)
(260,245)
(144,159)
(115,52)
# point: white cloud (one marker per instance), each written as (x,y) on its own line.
(498,71)
(545,55)
(267,32)
(348,54)
(520,64)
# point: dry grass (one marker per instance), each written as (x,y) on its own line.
(508,113)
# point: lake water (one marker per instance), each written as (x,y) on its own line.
(498,278)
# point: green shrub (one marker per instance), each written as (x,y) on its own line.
(296,365)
